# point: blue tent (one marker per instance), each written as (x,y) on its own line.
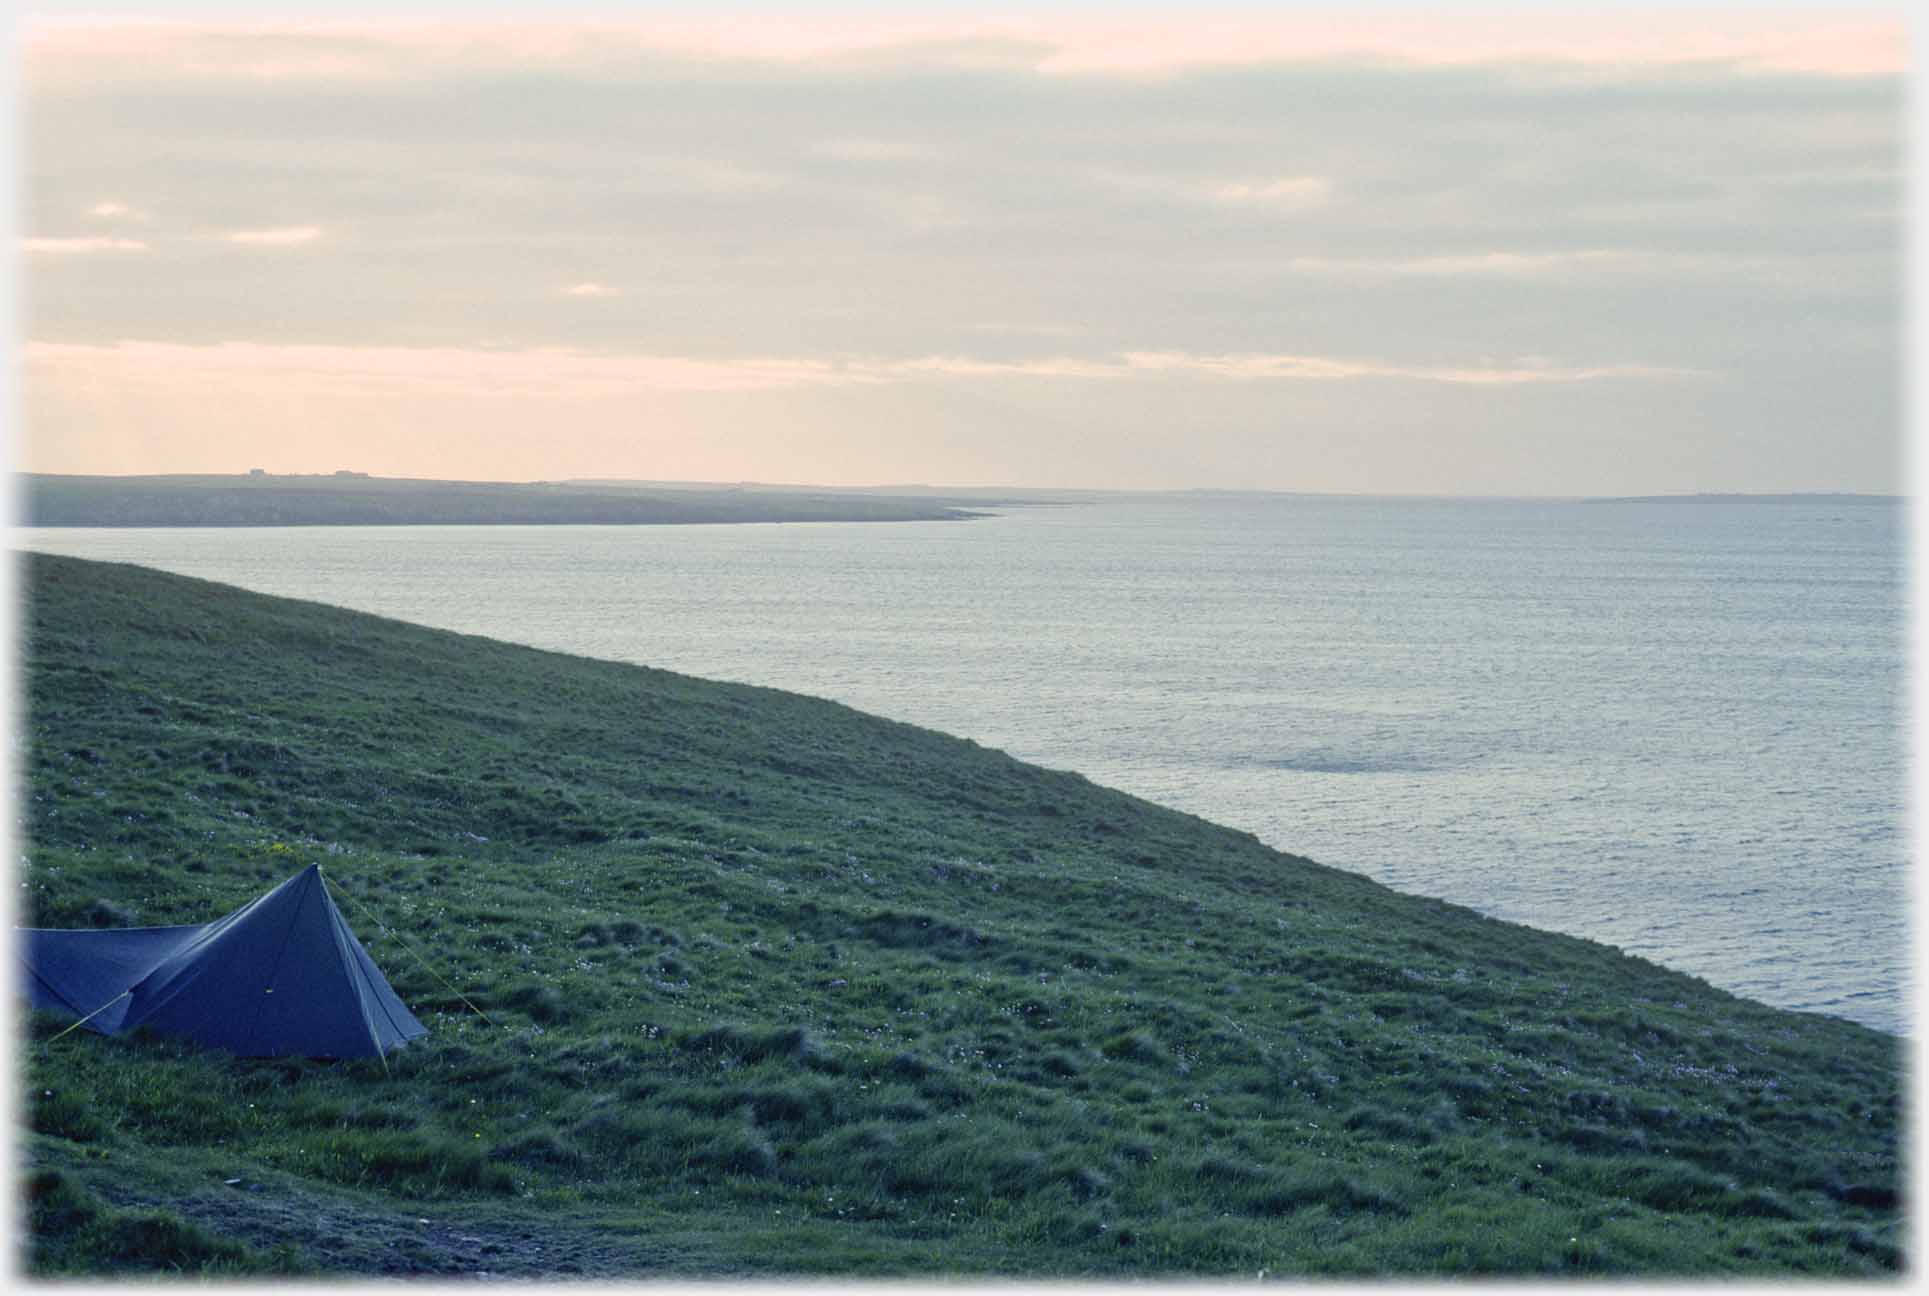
(280,976)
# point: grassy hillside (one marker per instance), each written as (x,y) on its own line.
(359,500)
(775,986)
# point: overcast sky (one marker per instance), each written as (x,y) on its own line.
(1545,254)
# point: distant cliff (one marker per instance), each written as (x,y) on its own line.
(355,499)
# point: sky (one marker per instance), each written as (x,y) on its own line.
(1363,250)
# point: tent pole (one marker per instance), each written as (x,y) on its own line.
(410,948)
(97,1012)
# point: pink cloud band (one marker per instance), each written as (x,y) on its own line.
(1870,44)
(558,373)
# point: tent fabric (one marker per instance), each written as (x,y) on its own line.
(73,973)
(280,976)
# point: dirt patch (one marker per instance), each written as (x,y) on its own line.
(347,1236)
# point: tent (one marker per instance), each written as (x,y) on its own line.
(280,976)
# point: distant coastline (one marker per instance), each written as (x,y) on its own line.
(357,499)
(1737,497)
(349,498)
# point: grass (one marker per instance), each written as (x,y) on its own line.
(777,987)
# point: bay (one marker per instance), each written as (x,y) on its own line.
(1674,726)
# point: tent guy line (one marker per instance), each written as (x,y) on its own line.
(336,889)
(90,1016)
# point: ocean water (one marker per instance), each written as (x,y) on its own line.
(1676,727)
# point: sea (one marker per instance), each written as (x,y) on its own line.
(1676,726)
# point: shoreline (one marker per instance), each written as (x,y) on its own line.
(348,499)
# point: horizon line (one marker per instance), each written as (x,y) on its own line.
(882,488)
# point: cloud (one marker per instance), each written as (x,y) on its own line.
(68,50)
(1814,273)
(83,243)
(1524,370)
(590,288)
(1291,192)
(966,367)
(285,236)
(864,148)
(558,373)
(116,211)
(545,372)
(1479,264)
(1076,225)
(1024,328)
